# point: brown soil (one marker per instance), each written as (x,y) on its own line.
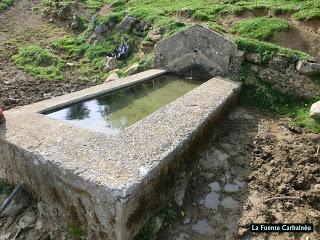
(303,36)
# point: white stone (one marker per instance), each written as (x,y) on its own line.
(315,110)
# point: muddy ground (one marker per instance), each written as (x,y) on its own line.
(255,158)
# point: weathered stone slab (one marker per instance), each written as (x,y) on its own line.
(109,185)
(197,46)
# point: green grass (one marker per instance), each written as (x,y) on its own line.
(257,93)
(39,62)
(268,50)
(5,4)
(73,47)
(261,28)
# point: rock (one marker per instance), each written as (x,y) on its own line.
(20,201)
(69,64)
(180,192)
(316,188)
(280,63)
(212,200)
(2,118)
(201,227)
(182,236)
(308,68)
(158,222)
(101,28)
(128,23)
(147,46)
(76,23)
(111,64)
(64,13)
(230,203)
(315,110)
(154,35)
(229,187)
(113,76)
(215,186)
(132,69)
(254,58)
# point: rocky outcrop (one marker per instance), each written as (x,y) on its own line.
(135,25)
(315,111)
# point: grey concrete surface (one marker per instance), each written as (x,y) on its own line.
(109,185)
(198,46)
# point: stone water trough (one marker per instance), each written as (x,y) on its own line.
(110,185)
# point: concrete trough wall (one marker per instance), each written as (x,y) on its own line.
(110,185)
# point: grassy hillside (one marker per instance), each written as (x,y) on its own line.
(256,22)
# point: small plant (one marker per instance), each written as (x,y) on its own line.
(5,4)
(75,230)
(261,28)
(39,62)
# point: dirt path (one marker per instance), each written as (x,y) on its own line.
(21,25)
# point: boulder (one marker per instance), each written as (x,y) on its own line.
(308,68)
(132,69)
(315,111)
(254,58)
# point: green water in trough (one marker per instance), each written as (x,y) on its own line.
(115,111)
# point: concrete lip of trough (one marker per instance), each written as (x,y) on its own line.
(109,185)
